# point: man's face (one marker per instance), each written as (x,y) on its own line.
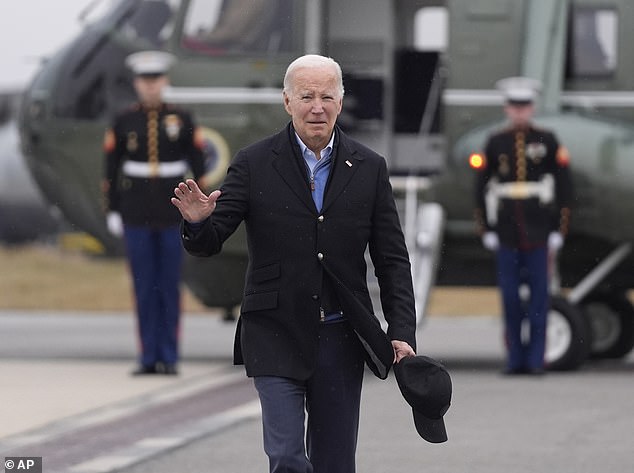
(149,88)
(519,114)
(314,102)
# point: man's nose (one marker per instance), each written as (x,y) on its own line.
(318,106)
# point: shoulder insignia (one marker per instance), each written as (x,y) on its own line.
(109,141)
(563,157)
(199,139)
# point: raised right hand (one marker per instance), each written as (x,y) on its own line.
(193,204)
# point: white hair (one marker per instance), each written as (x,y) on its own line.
(312,61)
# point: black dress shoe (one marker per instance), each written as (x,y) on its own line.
(170,369)
(513,371)
(536,371)
(143,370)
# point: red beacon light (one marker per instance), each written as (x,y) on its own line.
(476,161)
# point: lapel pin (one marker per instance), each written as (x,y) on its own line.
(348,163)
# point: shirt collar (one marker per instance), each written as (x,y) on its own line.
(324,152)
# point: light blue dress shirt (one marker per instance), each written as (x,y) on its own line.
(318,169)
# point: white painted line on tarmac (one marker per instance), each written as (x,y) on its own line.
(159,442)
(101,464)
(153,446)
(123,408)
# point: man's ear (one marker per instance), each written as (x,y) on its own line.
(287,101)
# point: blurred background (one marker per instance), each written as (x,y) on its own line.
(420,90)
(52,264)
(48,256)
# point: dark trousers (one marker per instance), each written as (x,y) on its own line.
(514,268)
(155,258)
(331,398)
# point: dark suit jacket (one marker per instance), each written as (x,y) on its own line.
(291,245)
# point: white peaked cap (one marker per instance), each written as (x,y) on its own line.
(519,89)
(150,62)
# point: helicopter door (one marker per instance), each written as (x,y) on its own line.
(418,83)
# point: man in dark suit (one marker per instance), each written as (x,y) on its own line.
(312,200)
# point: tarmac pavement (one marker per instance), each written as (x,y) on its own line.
(65,381)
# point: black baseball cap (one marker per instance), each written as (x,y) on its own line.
(426,386)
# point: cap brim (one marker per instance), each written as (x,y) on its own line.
(432,430)
(519,102)
(150,75)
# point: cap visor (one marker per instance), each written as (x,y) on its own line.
(432,430)
(519,102)
(150,75)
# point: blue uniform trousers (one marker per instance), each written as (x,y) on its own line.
(514,268)
(155,258)
(331,398)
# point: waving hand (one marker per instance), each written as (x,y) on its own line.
(193,204)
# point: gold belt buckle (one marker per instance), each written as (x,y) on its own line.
(154,169)
(519,190)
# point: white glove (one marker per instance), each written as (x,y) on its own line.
(555,241)
(115,224)
(491,241)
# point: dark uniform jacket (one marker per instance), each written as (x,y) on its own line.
(293,248)
(524,156)
(149,137)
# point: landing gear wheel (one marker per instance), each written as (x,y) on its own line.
(611,317)
(568,336)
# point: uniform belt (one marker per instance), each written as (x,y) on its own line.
(147,169)
(543,189)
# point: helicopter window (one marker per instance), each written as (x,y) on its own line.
(92,87)
(217,27)
(151,23)
(431,29)
(593,42)
(95,12)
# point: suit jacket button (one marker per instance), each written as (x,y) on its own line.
(314,297)
(320,256)
(320,218)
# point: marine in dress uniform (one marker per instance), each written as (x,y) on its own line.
(149,148)
(523,197)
